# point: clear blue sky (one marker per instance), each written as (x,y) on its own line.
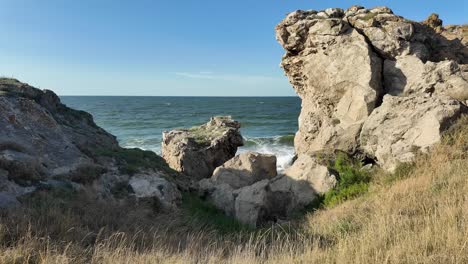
(143,47)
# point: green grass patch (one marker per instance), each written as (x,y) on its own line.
(203,136)
(133,160)
(352,181)
(204,214)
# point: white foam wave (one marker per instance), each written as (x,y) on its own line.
(284,153)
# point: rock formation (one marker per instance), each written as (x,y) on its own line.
(248,188)
(42,140)
(245,169)
(342,63)
(197,151)
(402,126)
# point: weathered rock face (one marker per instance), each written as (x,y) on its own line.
(245,169)
(408,75)
(151,186)
(307,170)
(402,126)
(240,186)
(40,137)
(247,187)
(342,63)
(337,96)
(199,150)
(43,141)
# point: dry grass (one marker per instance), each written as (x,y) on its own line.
(420,217)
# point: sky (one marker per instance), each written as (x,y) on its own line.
(164,48)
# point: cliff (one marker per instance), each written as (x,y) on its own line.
(43,142)
(373,83)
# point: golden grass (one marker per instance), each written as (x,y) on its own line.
(419,219)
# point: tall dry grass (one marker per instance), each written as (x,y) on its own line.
(417,216)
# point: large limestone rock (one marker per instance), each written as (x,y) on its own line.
(251,205)
(404,125)
(335,72)
(306,169)
(342,62)
(245,169)
(199,150)
(301,184)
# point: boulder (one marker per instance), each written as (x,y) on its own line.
(433,21)
(155,186)
(197,151)
(306,170)
(301,184)
(402,126)
(245,169)
(320,62)
(251,204)
(248,187)
(240,187)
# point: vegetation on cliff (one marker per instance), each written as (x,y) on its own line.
(418,214)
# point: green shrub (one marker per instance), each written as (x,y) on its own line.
(352,181)
(132,160)
(340,195)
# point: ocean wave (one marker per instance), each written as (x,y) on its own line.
(280,146)
(274,140)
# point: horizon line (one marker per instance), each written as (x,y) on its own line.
(246,96)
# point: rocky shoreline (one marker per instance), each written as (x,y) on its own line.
(376,88)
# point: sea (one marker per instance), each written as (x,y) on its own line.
(268,124)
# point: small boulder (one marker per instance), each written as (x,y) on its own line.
(302,183)
(306,169)
(245,169)
(251,203)
(197,151)
(433,21)
(154,186)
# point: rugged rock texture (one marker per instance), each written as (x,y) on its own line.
(337,94)
(402,126)
(40,137)
(342,62)
(248,188)
(307,171)
(245,169)
(42,140)
(197,151)
(408,75)
(149,186)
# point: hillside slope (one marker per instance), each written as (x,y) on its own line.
(416,215)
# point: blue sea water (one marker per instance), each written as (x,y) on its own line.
(268,124)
